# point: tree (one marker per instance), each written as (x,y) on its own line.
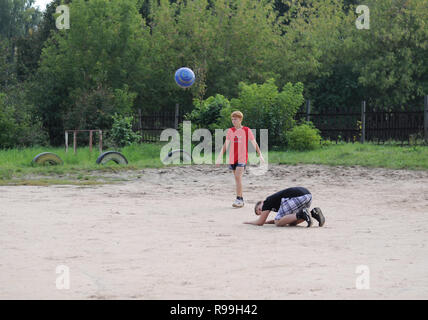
(313,41)
(7,77)
(29,47)
(76,69)
(18,19)
(224,42)
(392,56)
(19,125)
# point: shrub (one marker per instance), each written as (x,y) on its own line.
(326,143)
(121,133)
(265,107)
(94,108)
(19,125)
(207,113)
(303,137)
(8,126)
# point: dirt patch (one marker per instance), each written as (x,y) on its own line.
(173,234)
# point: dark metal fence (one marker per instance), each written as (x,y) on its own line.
(397,126)
(367,125)
(380,126)
(151,126)
(334,126)
(370,125)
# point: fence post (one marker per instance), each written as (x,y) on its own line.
(140,125)
(176,116)
(426,118)
(90,140)
(66,141)
(100,143)
(363,122)
(74,141)
(308,110)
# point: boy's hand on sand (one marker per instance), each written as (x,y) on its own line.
(253,223)
(262,160)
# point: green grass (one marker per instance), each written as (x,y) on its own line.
(17,164)
(367,155)
(49,182)
(81,169)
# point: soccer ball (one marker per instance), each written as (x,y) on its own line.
(184,77)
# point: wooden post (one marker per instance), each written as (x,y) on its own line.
(74,141)
(101,141)
(176,116)
(66,141)
(90,140)
(426,118)
(140,124)
(308,110)
(363,122)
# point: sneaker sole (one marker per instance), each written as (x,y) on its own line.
(320,215)
(237,206)
(309,221)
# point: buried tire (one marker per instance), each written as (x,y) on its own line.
(47,158)
(177,155)
(114,156)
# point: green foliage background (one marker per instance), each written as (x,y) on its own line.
(120,56)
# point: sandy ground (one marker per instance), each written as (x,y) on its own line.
(172,234)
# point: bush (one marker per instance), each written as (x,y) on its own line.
(265,107)
(94,108)
(207,113)
(121,133)
(326,143)
(303,137)
(8,126)
(19,125)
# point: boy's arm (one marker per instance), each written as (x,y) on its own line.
(256,146)
(223,150)
(261,220)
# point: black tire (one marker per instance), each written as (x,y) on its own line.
(47,158)
(174,154)
(114,156)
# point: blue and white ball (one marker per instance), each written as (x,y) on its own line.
(184,77)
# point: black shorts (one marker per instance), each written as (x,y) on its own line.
(233,166)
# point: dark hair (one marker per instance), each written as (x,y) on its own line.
(257,204)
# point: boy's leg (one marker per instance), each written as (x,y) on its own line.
(238,172)
(298,221)
(294,209)
(288,219)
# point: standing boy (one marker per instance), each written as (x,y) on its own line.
(238,154)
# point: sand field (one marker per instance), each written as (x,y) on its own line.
(173,234)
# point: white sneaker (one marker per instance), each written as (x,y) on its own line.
(238,203)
